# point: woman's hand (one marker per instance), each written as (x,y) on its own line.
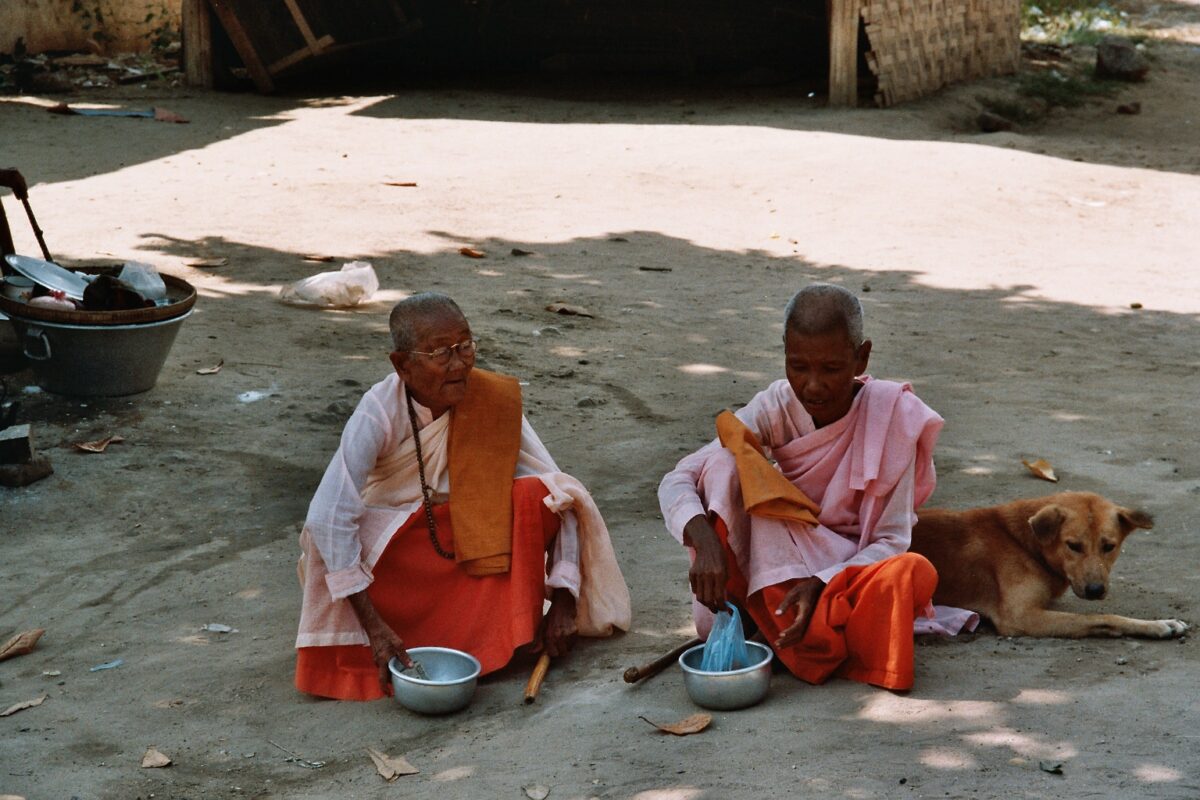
(709,572)
(803,597)
(385,643)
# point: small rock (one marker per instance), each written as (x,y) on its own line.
(993,123)
(591,402)
(1122,660)
(1130,108)
(564,372)
(1119,59)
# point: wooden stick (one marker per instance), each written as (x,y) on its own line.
(535,680)
(635,674)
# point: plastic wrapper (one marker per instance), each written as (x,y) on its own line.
(354,283)
(726,645)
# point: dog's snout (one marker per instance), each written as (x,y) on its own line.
(1094,591)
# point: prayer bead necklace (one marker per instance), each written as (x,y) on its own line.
(425,491)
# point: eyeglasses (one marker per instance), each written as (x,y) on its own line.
(441,356)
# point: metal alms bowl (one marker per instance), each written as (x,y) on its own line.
(726,691)
(451,685)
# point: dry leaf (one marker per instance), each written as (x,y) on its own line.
(536,791)
(569,310)
(209,262)
(391,767)
(21,644)
(685,727)
(516,251)
(471,252)
(315,257)
(167,115)
(24,704)
(99,445)
(153,759)
(1041,469)
(409,184)
(213,370)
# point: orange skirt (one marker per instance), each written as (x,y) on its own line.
(429,600)
(862,628)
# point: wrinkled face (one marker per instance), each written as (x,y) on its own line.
(438,387)
(1081,538)
(821,369)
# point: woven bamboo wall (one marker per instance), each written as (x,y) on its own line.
(919,46)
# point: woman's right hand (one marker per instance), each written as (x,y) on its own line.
(709,571)
(385,643)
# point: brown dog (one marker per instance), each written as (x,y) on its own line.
(1009,562)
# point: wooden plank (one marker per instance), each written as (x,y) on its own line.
(245,47)
(197,44)
(323,44)
(843,53)
(305,28)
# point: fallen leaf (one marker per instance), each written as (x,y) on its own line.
(408,184)
(685,727)
(315,257)
(567,309)
(1053,767)
(166,115)
(537,791)
(1041,469)
(1135,306)
(391,767)
(153,759)
(99,445)
(21,643)
(213,370)
(471,252)
(172,703)
(15,707)
(516,251)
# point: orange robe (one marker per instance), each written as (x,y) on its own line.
(429,600)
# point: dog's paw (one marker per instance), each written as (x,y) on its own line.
(1172,628)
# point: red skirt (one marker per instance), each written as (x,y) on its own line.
(862,628)
(430,601)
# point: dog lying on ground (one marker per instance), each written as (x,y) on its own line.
(1008,563)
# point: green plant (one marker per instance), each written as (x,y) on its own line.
(1055,88)
(1068,22)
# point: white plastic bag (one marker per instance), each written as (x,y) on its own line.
(145,280)
(354,283)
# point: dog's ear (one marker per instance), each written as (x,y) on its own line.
(1131,518)
(1046,522)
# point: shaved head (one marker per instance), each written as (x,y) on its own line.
(821,308)
(412,312)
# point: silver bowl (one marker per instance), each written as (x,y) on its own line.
(451,685)
(726,691)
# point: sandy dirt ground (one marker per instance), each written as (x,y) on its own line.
(998,273)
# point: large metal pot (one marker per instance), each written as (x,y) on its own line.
(96,360)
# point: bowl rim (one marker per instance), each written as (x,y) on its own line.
(742,671)
(399,674)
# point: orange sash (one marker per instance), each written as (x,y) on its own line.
(485,441)
(765,491)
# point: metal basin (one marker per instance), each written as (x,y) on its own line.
(726,691)
(451,685)
(96,360)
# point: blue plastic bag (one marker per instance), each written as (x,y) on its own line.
(726,645)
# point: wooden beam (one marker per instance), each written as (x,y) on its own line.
(319,46)
(197,43)
(843,52)
(305,29)
(245,47)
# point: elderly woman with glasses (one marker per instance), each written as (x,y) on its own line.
(442,520)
